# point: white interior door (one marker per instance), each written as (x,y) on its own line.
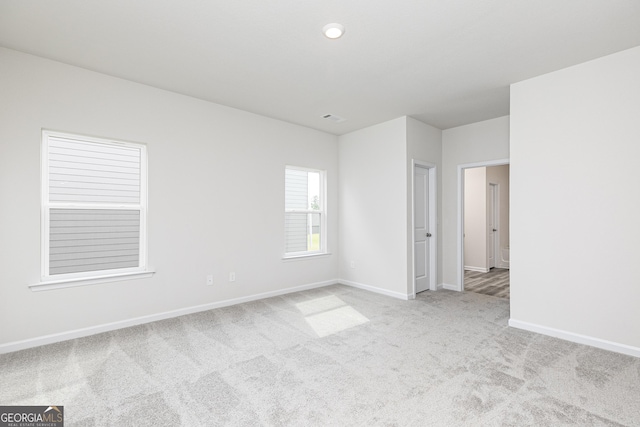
(493,223)
(421,228)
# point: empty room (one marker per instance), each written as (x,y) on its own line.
(260,213)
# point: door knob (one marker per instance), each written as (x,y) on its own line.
(428,234)
(495,229)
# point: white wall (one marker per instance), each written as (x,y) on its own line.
(475,219)
(216,196)
(478,142)
(575,227)
(372,204)
(375,202)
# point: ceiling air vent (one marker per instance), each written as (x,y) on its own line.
(333,118)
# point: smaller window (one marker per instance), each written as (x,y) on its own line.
(304,212)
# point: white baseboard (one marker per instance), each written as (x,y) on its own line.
(577,338)
(449,287)
(92,330)
(440,286)
(375,289)
(478,269)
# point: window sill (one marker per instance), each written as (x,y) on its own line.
(305,256)
(85,281)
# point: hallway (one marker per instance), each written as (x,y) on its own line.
(494,283)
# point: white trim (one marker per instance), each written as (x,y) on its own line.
(478,269)
(433,225)
(495,210)
(305,256)
(106,327)
(460,240)
(88,277)
(44,200)
(84,281)
(577,338)
(449,287)
(377,290)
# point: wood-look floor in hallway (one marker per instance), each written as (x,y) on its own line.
(494,283)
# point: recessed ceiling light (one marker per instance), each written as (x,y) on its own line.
(333,31)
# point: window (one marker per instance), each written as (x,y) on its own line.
(304,207)
(94,208)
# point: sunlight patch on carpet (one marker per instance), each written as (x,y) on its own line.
(329,315)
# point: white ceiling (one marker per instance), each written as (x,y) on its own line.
(444,62)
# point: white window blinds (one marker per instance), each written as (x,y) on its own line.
(91,172)
(304,211)
(94,210)
(296,199)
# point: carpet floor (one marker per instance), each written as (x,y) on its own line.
(329,356)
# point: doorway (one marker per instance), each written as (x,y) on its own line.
(424,224)
(494,221)
(483,226)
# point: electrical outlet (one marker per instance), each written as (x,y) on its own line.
(232,277)
(353,264)
(210,280)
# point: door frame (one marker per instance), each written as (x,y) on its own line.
(460,237)
(494,190)
(433,224)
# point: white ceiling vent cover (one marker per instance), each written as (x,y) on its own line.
(333,118)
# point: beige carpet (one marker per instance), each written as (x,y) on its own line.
(331,356)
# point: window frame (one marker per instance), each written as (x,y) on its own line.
(142,270)
(323,250)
